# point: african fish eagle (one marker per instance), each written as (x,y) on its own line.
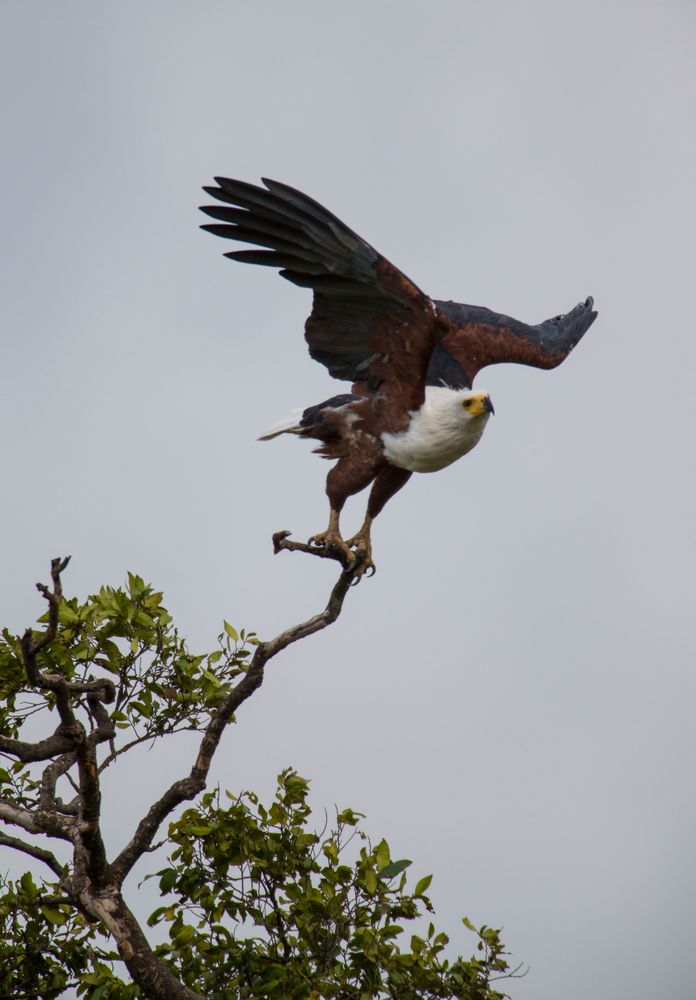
(411,359)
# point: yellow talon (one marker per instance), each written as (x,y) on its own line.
(362,546)
(333,540)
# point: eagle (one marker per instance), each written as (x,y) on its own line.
(411,360)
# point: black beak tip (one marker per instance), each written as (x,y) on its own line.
(489,405)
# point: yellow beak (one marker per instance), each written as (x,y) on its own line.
(480,403)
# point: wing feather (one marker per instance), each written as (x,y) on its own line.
(365,310)
(370,324)
(472,337)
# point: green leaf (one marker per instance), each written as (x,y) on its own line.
(185,935)
(349,817)
(66,614)
(231,631)
(422,885)
(54,915)
(169,877)
(395,868)
(382,855)
(200,830)
(391,931)
(370,881)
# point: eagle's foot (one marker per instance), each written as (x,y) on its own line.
(362,554)
(332,540)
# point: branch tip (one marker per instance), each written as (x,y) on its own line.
(58,564)
(281,540)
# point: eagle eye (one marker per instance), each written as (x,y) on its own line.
(466,404)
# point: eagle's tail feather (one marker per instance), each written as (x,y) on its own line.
(288,425)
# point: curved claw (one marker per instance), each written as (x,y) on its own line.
(365,573)
(364,566)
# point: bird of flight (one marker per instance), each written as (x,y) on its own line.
(411,359)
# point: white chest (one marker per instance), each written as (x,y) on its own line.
(437,435)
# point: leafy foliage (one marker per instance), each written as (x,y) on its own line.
(256,902)
(40,952)
(266,907)
(162,688)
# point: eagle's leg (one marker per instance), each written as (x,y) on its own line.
(388,482)
(347,477)
(332,538)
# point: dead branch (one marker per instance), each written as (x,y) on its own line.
(281,540)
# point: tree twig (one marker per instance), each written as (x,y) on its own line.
(281,540)
(31,645)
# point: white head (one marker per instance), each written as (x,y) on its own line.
(448,425)
(460,407)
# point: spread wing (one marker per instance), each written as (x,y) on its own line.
(473,337)
(369,323)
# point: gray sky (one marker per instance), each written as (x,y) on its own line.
(511,698)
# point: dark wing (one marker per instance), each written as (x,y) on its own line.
(472,337)
(369,322)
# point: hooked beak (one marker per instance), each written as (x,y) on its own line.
(488,405)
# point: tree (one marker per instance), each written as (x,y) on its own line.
(256,902)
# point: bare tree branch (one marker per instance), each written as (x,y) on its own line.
(34,645)
(281,540)
(89,797)
(60,742)
(38,821)
(96,865)
(189,787)
(49,779)
(35,852)
(117,752)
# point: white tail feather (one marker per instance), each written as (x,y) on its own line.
(289,425)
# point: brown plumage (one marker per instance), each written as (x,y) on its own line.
(370,325)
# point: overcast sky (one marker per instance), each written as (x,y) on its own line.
(511,698)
